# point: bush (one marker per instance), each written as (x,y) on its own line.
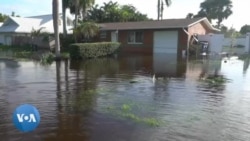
(23,54)
(47,58)
(15,48)
(93,50)
(66,42)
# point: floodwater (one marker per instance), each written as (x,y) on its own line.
(118,99)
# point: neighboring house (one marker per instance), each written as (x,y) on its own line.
(16,27)
(164,36)
(1,42)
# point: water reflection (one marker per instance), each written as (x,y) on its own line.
(246,65)
(167,65)
(9,63)
(107,98)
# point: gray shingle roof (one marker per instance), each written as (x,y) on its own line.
(162,24)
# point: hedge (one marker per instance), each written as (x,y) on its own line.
(92,50)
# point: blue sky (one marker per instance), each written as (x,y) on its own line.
(178,9)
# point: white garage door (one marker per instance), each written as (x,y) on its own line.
(165,42)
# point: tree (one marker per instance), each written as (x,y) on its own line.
(55,12)
(244,29)
(190,16)
(87,30)
(113,12)
(224,29)
(160,8)
(79,7)
(65,5)
(13,14)
(3,17)
(216,10)
(85,6)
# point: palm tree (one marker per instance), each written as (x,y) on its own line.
(160,6)
(85,5)
(78,6)
(55,12)
(35,34)
(65,5)
(87,30)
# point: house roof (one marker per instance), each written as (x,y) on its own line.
(25,25)
(44,18)
(17,24)
(156,24)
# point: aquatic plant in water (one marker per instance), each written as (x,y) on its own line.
(126,111)
(215,80)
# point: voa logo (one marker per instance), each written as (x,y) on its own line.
(26,118)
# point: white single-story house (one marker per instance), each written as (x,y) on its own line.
(19,26)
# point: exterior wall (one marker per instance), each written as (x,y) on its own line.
(199,28)
(148,39)
(146,47)
(183,40)
(6,38)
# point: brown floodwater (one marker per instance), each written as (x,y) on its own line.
(117,99)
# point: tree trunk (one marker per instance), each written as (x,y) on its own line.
(76,18)
(158,10)
(162,9)
(76,12)
(64,19)
(55,24)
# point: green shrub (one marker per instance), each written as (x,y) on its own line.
(23,54)
(65,55)
(15,48)
(47,58)
(66,42)
(93,50)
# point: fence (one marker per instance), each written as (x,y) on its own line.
(39,42)
(217,43)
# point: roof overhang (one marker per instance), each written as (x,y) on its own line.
(206,21)
(117,27)
(129,28)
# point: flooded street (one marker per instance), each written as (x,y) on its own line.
(121,100)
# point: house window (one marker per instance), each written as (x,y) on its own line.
(135,37)
(103,34)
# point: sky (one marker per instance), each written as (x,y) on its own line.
(178,9)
